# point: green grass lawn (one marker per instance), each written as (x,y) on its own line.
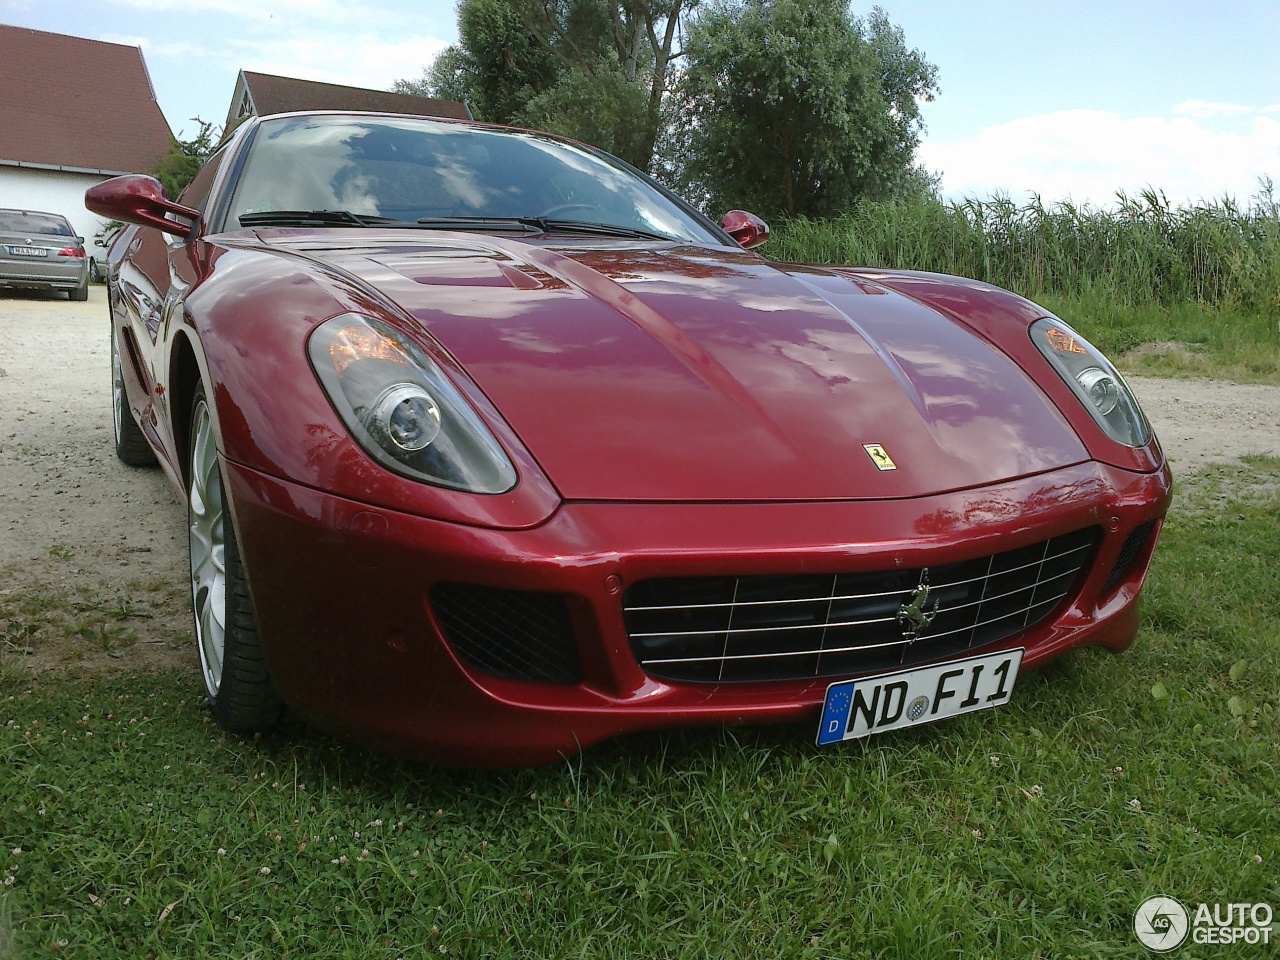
(1185,340)
(130,826)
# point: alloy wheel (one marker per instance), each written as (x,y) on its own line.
(206,519)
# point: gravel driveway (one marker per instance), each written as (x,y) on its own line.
(106,543)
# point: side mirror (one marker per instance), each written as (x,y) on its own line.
(140,200)
(748,229)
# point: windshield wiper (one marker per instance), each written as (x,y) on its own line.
(603,229)
(543,224)
(345,218)
(481,223)
(312,218)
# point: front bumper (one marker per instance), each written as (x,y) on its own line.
(341,593)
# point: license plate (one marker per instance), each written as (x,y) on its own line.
(27,251)
(907,698)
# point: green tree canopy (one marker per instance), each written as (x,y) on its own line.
(595,70)
(796,107)
(185,158)
(496,66)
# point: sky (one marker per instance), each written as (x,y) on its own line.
(1067,100)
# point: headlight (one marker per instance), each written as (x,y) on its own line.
(1094,380)
(402,410)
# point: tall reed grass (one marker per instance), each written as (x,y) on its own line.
(1144,251)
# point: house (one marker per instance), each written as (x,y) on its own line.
(261,94)
(74,112)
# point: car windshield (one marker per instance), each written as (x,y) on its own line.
(444,175)
(44,224)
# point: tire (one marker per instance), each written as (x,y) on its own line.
(80,293)
(131,444)
(233,665)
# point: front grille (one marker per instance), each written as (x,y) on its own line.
(1131,550)
(758,628)
(509,633)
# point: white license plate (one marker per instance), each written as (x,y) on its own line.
(27,251)
(907,698)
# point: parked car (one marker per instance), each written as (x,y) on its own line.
(40,251)
(493,448)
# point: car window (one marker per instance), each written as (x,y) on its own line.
(411,169)
(21,221)
(196,193)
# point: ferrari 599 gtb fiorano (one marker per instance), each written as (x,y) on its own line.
(492,448)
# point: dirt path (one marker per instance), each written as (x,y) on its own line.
(1203,422)
(86,543)
(93,553)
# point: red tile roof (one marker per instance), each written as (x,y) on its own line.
(83,104)
(272,94)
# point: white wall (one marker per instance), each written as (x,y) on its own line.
(55,192)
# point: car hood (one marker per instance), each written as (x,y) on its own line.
(635,371)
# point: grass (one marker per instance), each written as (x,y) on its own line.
(78,617)
(1183,340)
(1032,831)
(1145,250)
(1201,282)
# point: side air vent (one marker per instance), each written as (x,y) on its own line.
(517,634)
(1133,550)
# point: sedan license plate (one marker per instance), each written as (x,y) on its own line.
(905,698)
(27,251)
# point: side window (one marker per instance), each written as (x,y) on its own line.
(196,193)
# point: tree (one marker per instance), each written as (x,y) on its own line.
(496,66)
(594,70)
(795,107)
(602,108)
(185,158)
(624,52)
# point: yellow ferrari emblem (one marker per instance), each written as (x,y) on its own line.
(879,456)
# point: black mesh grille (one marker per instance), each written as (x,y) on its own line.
(724,629)
(509,633)
(1134,547)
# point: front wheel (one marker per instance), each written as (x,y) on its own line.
(232,663)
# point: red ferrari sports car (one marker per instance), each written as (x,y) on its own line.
(493,448)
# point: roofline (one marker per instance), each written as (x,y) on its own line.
(146,72)
(253,104)
(238,93)
(60,169)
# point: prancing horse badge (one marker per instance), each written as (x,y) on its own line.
(879,456)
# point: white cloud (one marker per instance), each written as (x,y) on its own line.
(1087,155)
(367,60)
(1204,110)
(178,50)
(292,12)
(363,43)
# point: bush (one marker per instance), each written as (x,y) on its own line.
(1146,250)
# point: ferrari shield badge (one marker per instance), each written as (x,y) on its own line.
(879,456)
